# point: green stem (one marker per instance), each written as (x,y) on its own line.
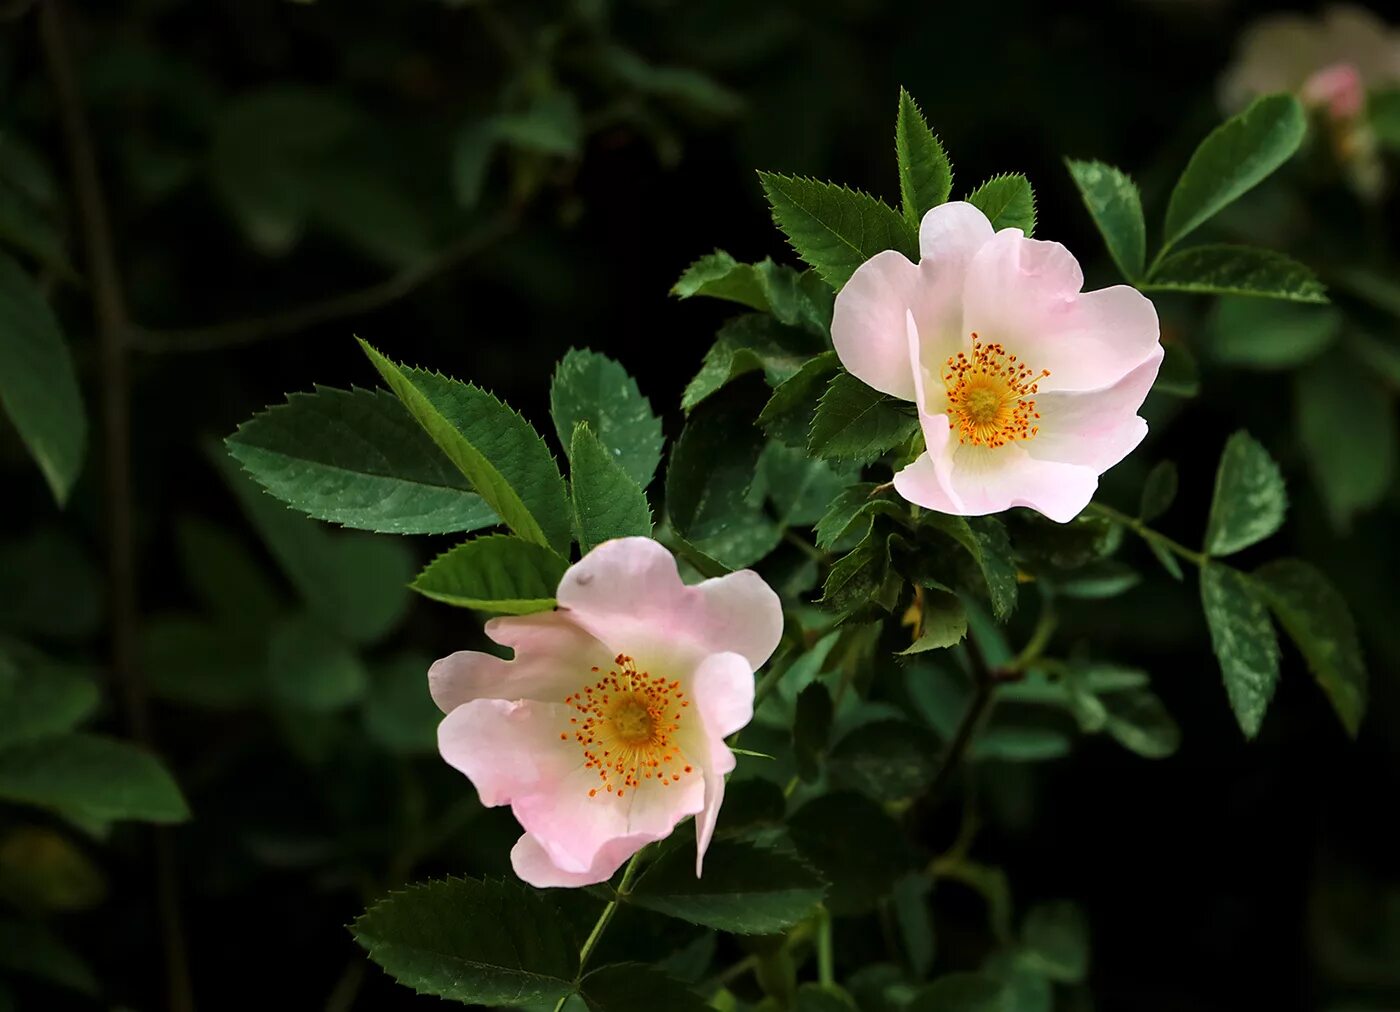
(605,918)
(1040,637)
(977,711)
(826,961)
(1148,534)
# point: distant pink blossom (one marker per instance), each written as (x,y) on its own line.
(1027,388)
(608,726)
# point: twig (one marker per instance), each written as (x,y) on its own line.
(1148,534)
(109,307)
(604,919)
(987,679)
(238,333)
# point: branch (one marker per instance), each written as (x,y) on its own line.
(988,678)
(110,312)
(239,333)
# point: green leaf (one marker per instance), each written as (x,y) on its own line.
(357,458)
(226,575)
(833,228)
(355,583)
(589,387)
(551,125)
(472,147)
(811,729)
(1383,109)
(860,867)
(1317,619)
(963,992)
(745,344)
(942,622)
(787,416)
(633,987)
(26,226)
(854,505)
(707,484)
(502,456)
(100,777)
(747,889)
(795,298)
(34,950)
(486,943)
(798,487)
(823,998)
(1057,939)
(889,760)
(925,173)
(857,422)
(1270,334)
(1234,158)
(1236,270)
(1008,202)
(311,668)
(49,587)
(1250,498)
(1138,721)
(1347,427)
(496,573)
(608,503)
(1244,642)
(1179,375)
(856,581)
(986,540)
(38,385)
(1116,207)
(40,698)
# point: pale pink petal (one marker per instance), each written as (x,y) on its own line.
(992,480)
(723,690)
(629,594)
(951,233)
(1095,428)
(1024,294)
(508,749)
(553,657)
(532,862)
(867,322)
(573,828)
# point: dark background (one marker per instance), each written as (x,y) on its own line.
(1231,876)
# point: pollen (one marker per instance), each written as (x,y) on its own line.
(626,728)
(991,395)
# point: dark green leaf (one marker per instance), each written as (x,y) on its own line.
(1317,619)
(963,992)
(795,298)
(1244,642)
(746,889)
(925,174)
(890,760)
(38,385)
(1236,270)
(102,778)
(986,540)
(198,663)
(551,125)
(226,575)
(787,416)
(1138,721)
(857,422)
(1270,334)
(633,987)
(589,387)
(833,228)
(749,343)
(487,943)
(311,668)
(472,148)
(811,729)
(496,573)
(1234,158)
(1158,491)
(1347,427)
(34,950)
(854,505)
(859,867)
(357,458)
(1179,375)
(1057,937)
(1008,202)
(1116,208)
(40,698)
(398,712)
(1250,499)
(502,456)
(823,998)
(49,587)
(607,502)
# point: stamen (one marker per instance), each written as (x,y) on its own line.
(989,395)
(629,720)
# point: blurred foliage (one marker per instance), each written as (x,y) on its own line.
(483,186)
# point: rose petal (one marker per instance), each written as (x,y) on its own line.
(508,749)
(988,481)
(532,863)
(724,690)
(1096,428)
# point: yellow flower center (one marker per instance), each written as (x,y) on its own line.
(989,395)
(626,727)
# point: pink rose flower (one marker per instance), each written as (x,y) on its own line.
(1027,388)
(608,726)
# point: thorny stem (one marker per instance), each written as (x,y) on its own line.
(987,678)
(1148,534)
(239,333)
